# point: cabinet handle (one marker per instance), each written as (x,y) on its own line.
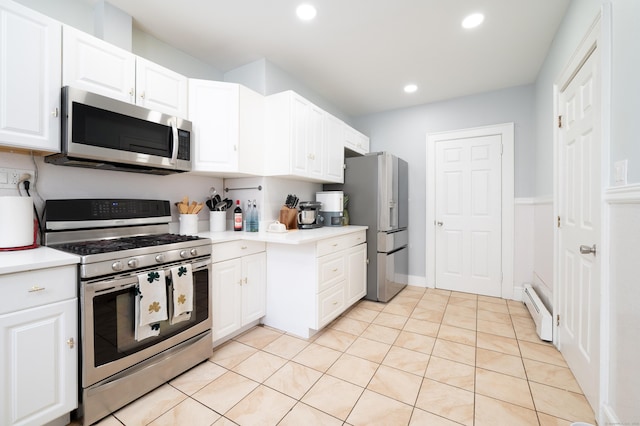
(54,113)
(131,92)
(245,280)
(335,303)
(71,343)
(334,244)
(36,288)
(142,95)
(240,282)
(243,248)
(335,270)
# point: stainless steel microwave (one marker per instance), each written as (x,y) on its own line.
(104,133)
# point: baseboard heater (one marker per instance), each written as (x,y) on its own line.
(539,313)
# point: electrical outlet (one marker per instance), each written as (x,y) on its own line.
(9,178)
(620,168)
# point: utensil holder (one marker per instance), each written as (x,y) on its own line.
(289,217)
(188,224)
(217,221)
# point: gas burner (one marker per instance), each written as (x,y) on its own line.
(84,248)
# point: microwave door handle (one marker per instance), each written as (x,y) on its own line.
(174,131)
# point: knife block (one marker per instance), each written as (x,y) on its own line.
(289,217)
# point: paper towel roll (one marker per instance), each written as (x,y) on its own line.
(16,222)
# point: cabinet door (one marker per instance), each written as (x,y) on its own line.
(254,287)
(300,109)
(356,141)
(315,142)
(160,89)
(357,274)
(30,79)
(226,298)
(94,65)
(334,149)
(213,109)
(38,362)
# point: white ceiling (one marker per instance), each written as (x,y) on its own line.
(358,54)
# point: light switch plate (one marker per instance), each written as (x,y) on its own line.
(620,170)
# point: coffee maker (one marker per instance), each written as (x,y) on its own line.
(309,215)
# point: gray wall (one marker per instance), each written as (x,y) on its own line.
(404,132)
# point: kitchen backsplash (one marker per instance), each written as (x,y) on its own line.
(68,182)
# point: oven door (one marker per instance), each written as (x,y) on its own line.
(107,309)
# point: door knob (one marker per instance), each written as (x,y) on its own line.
(588,250)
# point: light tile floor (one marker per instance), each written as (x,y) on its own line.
(428,357)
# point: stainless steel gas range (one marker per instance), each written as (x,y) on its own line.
(144,297)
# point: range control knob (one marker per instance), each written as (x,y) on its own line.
(160,258)
(194,252)
(184,254)
(133,263)
(117,266)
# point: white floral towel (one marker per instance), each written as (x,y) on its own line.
(151,303)
(182,290)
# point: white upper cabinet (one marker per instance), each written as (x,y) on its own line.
(334,158)
(29,79)
(160,89)
(356,141)
(299,140)
(228,128)
(97,66)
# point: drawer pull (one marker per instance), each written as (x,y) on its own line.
(334,244)
(71,343)
(335,270)
(335,303)
(243,248)
(36,288)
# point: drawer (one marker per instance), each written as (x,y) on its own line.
(330,304)
(25,290)
(331,245)
(225,251)
(331,270)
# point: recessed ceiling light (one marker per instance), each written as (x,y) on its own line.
(410,88)
(306,12)
(473,20)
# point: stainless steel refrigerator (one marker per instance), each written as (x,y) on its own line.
(377,186)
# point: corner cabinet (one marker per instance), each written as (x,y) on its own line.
(302,140)
(30,48)
(39,359)
(228,128)
(92,64)
(323,279)
(239,287)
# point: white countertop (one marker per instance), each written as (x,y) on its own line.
(37,258)
(295,236)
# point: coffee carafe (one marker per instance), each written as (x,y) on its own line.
(309,215)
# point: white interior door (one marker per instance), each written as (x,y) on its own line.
(468,231)
(579,233)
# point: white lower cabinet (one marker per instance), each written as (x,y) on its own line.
(39,356)
(239,286)
(309,285)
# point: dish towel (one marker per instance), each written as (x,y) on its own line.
(182,292)
(151,304)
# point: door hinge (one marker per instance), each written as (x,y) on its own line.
(560,122)
(558,320)
(558,221)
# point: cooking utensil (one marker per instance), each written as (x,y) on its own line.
(229,203)
(210,204)
(221,206)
